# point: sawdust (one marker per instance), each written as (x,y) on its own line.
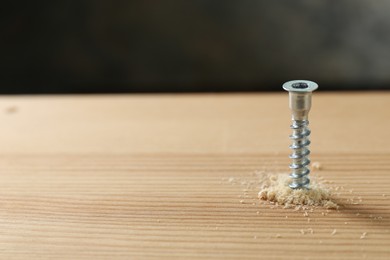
(274,188)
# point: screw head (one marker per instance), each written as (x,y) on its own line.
(300,86)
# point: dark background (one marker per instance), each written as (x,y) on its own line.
(97,46)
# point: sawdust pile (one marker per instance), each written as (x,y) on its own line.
(275,188)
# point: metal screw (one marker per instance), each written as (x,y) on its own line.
(300,103)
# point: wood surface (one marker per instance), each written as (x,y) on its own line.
(171,177)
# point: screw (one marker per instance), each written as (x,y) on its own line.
(300,103)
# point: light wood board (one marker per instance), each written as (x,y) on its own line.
(166,177)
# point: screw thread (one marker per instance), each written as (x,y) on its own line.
(300,155)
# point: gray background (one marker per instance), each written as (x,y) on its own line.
(192,45)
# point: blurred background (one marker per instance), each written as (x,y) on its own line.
(115,46)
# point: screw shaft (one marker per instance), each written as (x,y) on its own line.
(300,154)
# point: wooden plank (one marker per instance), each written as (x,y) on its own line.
(131,177)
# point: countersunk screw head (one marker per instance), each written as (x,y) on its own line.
(301,86)
(300,97)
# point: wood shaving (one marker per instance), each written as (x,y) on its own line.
(363,235)
(275,189)
(309,230)
(334,232)
(316,166)
(231,180)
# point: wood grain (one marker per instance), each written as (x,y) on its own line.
(171,177)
